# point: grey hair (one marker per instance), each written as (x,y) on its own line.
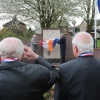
(34,35)
(11,47)
(62,35)
(83,47)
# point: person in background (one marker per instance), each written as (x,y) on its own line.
(80,77)
(23,81)
(34,43)
(62,43)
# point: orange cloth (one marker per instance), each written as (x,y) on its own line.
(50,48)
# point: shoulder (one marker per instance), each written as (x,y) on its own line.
(67,65)
(36,69)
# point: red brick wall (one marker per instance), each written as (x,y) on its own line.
(69,52)
(97,53)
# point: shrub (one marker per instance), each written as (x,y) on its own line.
(12,33)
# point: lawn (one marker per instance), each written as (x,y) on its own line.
(98,43)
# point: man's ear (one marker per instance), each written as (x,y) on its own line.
(76,49)
(23,55)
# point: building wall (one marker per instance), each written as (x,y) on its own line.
(17,24)
(83,26)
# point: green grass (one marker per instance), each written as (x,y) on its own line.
(98,43)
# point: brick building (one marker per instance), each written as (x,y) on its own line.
(16,24)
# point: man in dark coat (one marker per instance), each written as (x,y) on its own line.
(62,43)
(23,81)
(80,77)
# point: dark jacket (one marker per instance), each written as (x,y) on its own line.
(62,43)
(21,81)
(80,80)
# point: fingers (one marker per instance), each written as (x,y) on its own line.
(29,54)
(27,51)
(26,48)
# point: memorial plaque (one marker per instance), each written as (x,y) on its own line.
(51,34)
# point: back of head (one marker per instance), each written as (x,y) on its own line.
(11,47)
(83,41)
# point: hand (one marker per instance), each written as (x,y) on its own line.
(29,54)
(57,40)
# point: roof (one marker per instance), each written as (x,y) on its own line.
(64,23)
(14,20)
(82,22)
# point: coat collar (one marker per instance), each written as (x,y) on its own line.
(6,65)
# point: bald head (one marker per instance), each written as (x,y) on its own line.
(84,37)
(83,41)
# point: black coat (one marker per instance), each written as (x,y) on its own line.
(62,43)
(21,81)
(80,80)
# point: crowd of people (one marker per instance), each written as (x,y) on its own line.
(77,79)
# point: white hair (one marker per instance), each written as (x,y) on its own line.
(34,35)
(81,45)
(11,47)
